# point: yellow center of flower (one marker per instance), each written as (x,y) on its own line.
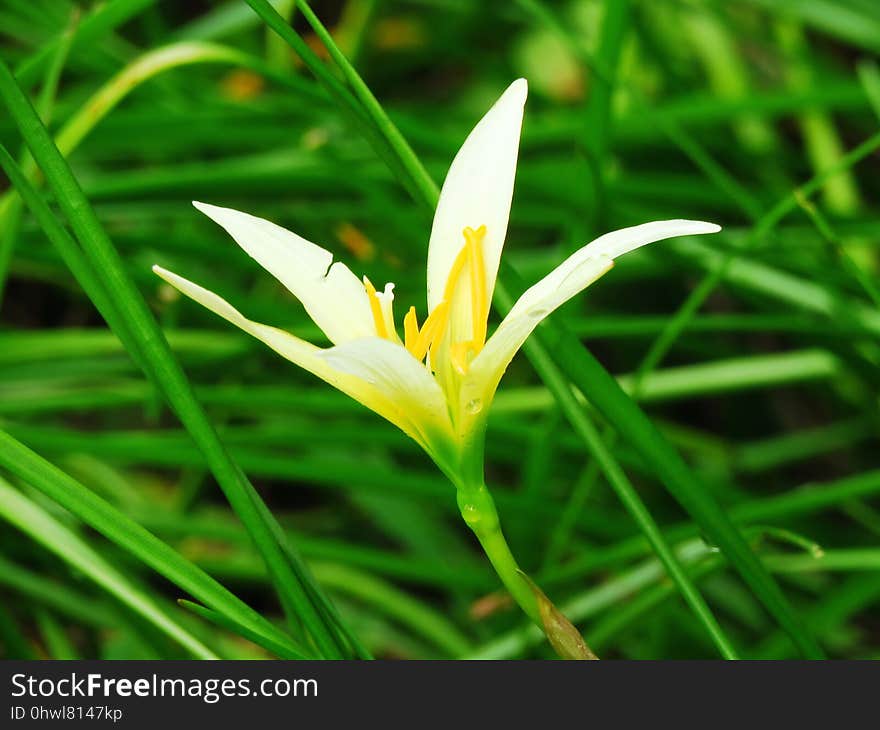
(420,341)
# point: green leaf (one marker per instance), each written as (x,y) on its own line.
(267,642)
(127,534)
(136,326)
(621,484)
(49,532)
(605,394)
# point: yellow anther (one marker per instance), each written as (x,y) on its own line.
(376,309)
(477,267)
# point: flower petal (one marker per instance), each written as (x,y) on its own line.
(402,379)
(285,344)
(568,279)
(332,295)
(477,191)
(375,393)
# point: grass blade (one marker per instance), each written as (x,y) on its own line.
(603,391)
(621,484)
(127,534)
(46,530)
(300,595)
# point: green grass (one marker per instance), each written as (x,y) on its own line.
(169,489)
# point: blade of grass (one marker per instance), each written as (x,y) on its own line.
(142,69)
(726,261)
(382,139)
(300,595)
(104,19)
(10,212)
(597,116)
(39,525)
(420,618)
(424,184)
(130,536)
(57,642)
(61,598)
(223,621)
(621,484)
(603,391)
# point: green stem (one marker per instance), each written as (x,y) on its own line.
(478,510)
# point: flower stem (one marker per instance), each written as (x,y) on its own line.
(478,510)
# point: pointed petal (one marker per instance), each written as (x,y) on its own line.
(571,277)
(373,393)
(332,295)
(477,191)
(285,344)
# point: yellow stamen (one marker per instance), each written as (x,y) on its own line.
(432,331)
(410,329)
(376,310)
(455,274)
(477,266)
(420,341)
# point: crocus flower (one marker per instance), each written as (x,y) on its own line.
(436,381)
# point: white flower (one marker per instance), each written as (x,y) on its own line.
(437,382)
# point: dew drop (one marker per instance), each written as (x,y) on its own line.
(539,313)
(471,514)
(474,406)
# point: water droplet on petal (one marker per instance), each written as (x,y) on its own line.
(474,406)
(538,313)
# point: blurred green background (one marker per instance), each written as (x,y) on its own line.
(760,115)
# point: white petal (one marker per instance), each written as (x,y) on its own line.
(478,191)
(568,279)
(402,379)
(607,248)
(623,241)
(332,295)
(374,393)
(285,344)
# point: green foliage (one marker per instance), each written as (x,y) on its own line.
(201,497)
